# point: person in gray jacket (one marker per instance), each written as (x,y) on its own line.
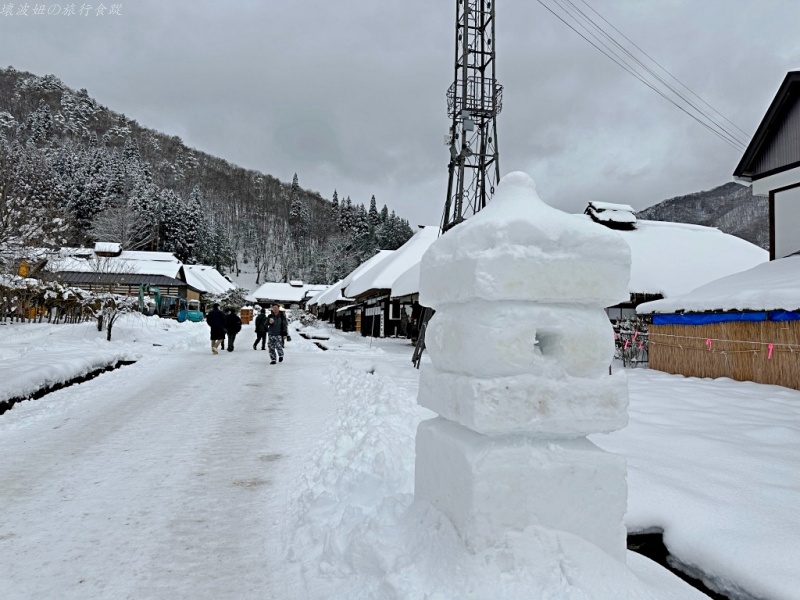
(277,331)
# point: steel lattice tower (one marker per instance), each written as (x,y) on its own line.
(473,102)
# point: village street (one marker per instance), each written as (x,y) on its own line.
(188,475)
(164,479)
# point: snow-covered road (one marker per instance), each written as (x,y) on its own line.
(189,475)
(165,479)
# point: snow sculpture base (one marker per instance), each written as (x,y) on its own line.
(566,407)
(488,486)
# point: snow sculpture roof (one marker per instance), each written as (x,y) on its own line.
(771,285)
(383,275)
(206,279)
(519,248)
(675,258)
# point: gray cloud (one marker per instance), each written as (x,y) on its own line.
(350,94)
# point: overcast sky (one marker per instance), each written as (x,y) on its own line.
(350,94)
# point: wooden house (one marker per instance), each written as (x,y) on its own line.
(670,259)
(382,314)
(771,164)
(747,326)
(286,295)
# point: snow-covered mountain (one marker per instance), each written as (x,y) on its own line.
(730,207)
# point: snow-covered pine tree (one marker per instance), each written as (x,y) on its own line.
(373,217)
(40,123)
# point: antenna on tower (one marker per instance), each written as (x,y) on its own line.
(473,102)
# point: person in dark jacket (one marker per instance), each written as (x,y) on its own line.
(216,321)
(278,330)
(261,330)
(233,325)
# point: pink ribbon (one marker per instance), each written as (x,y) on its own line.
(641,345)
(769,352)
(635,335)
(708,343)
(627,343)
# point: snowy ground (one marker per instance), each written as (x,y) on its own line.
(192,475)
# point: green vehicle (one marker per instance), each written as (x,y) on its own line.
(190,311)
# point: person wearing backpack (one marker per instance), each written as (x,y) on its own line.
(233,325)
(278,330)
(261,329)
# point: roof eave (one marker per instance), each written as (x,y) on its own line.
(765,128)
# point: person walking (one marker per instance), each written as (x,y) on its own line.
(261,329)
(216,321)
(233,324)
(278,330)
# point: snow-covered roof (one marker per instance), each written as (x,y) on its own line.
(108,247)
(330,296)
(115,264)
(149,256)
(771,285)
(407,283)
(674,258)
(366,265)
(611,206)
(284,292)
(383,275)
(206,279)
(616,216)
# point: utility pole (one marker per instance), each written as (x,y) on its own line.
(474,100)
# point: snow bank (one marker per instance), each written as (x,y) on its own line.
(34,356)
(714,464)
(358,535)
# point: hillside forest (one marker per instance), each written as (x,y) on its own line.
(73,172)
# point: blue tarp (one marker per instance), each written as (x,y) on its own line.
(708,318)
(784,315)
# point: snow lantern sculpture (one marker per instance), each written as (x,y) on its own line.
(520,348)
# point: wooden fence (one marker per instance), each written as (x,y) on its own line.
(764,352)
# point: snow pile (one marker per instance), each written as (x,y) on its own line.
(519,381)
(772,285)
(713,463)
(365,459)
(356,533)
(34,356)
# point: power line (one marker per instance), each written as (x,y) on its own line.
(633,69)
(721,126)
(611,54)
(666,71)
